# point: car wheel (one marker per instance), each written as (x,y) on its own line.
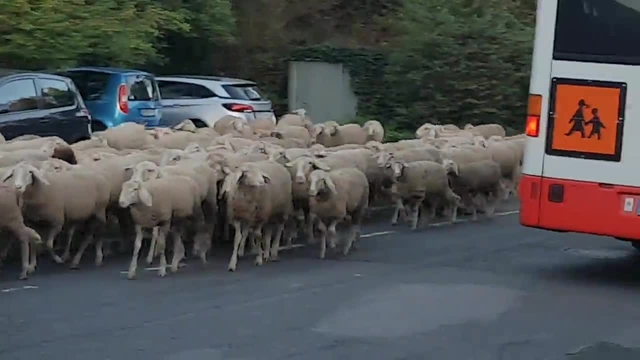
(636,245)
(199,123)
(97,126)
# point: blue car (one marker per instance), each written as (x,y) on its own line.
(115,96)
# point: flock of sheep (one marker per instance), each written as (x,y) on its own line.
(259,181)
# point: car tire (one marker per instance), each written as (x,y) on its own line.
(199,123)
(97,125)
(636,245)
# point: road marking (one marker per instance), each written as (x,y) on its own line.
(27,287)
(377,234)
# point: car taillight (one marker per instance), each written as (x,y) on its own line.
(238,108)
(534,108)
(123,99)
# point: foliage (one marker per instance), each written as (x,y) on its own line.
(461,61)
(59,33)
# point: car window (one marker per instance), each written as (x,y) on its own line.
(56,94)
(243,91)
(142,88)
(18,95)
(598,31)
(180,90)
(91,84)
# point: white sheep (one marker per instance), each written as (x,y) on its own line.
(53,200)
(163,205)
(12,223)
(338,196)
(374,129)
(486,130)
(259,201)
(423,186)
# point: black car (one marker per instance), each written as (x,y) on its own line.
(42,104)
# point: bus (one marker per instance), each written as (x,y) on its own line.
(581,167)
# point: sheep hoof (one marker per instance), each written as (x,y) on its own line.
(162,272)
(23,276)
(74,266)
(274,258)
(31,269)
(57,259)
(131,276)
(65,257)
(232,269)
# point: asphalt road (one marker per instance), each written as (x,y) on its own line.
(485,290)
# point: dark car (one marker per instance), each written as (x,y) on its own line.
(42,104)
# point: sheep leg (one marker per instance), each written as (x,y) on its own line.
(237,240)
(89,235)
(323,239)
(333,234)
(67,249)
(491,204)
(353,233)
(137,245)
(162,245)
(396,212)
(276,245)
(53,232)
(310,221)
(152,247)
(260,245)
(178,251)
(267,238)
(415,211)
(243,244)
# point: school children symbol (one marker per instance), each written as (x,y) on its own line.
(578,122)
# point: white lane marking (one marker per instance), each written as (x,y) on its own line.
(377,233)
(27,287)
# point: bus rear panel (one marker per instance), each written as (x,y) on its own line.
(581,169)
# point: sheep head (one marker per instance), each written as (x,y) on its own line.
(319,181)
(374,146)
(398,169)
(383,158)
(24,175)
(423,130)
(172,156)
(193,148)
(451,167)
(304,166)
(133,192)
(186,125)
(480,141)
(331,128)
(468,127)
(144,171)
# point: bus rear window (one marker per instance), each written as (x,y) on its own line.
(602,31)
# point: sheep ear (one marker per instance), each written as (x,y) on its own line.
(145,197)
(320,165)
(226,170)
(39,176)
(267,179)
(289,164)
(8,175)
(331,186)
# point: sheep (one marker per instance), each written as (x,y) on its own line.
(478,183)
(295,132)
(344,134)
(206,179)
(486,130)
(53,200)
(232,125)
(337,196)
(12,222)
(295,120)
(31,144)
(284,156)
(262,126)
(323,133)
(24,137)
(127,136)
(163,205)
(507,155)
(423,186)
(358,158)
(186,125)
(287,143)
(258,200)
(2,139)
(374,129)
(425,128)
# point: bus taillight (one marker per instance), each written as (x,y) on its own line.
(534,107)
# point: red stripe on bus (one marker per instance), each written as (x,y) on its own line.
(579,206)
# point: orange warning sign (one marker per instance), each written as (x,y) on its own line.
(586,119)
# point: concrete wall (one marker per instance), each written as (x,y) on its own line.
(323,90)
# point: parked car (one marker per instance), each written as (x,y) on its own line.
(42,104)
(115,96)
(206,99)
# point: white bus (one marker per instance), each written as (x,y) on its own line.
(581,168)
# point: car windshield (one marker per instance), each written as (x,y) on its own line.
(90,84)
(243,91)
(142,88)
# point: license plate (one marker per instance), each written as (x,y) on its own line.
(148,112)
(263,115)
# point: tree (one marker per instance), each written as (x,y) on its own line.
(60,33)
(461,61)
